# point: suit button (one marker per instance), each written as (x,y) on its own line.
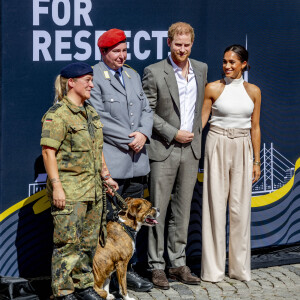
(141,94)
(130,103)
(131,114)
(111,100)
(132,123)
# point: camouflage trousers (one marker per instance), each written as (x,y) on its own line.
(76,233)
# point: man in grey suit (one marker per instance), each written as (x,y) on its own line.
(175,90)
(127,121)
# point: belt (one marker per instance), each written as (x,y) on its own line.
(231,133)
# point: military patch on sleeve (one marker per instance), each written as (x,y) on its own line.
(54,107)
(46,134)
(96,118)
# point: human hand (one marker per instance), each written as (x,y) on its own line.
(59,197)
(112,183)
(139,141)
(255,173)
(184,136)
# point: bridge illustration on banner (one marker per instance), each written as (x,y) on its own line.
(276,171)
(38,185)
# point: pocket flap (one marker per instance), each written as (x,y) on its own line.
(78,127)
(98,124)
(66,211)
(110,98)
(142,95)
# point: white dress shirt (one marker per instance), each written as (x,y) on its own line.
(187,88)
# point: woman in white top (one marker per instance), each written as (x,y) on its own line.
(229,168)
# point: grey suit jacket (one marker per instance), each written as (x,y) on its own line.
(161,89)
(122,111)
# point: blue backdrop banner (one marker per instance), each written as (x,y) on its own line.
(39,37)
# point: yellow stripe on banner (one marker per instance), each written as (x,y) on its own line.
(258,201)
(22,203)
(264,200)
(200,177)
(43,203)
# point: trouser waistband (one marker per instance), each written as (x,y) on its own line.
(230,132)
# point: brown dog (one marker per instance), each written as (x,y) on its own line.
(120,245)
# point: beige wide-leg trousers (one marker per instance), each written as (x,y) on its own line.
(228,166)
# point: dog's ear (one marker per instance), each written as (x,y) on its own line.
(134,208)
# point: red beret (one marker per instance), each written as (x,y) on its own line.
(111,38)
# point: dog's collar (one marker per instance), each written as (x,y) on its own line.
(129,230)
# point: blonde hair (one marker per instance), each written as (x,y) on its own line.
(61,88)
(181,28)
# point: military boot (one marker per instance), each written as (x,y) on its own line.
(67,297)
(88,294)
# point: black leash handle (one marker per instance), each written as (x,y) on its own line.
(121,202)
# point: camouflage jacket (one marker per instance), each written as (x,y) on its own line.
(76,134)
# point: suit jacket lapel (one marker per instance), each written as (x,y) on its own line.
(113,81)
(171,82)
(127,83)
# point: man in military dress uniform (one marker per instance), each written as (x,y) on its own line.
(127,120)
(72,142)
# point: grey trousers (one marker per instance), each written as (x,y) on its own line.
(228,166)
(179,169)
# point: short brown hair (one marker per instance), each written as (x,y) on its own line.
(181,28)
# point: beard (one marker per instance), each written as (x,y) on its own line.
(179,58)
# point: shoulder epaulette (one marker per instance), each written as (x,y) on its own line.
(55,107)
(129,67)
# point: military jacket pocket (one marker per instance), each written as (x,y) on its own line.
(80,138)
(112,105)
(97,124)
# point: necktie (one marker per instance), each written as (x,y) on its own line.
(117,76)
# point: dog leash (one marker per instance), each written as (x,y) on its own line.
(129,230)
(121,202)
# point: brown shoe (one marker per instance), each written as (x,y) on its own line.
(160,280)
(184,275)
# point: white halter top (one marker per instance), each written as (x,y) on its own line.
(234,107)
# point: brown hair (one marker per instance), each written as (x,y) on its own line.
(180,28)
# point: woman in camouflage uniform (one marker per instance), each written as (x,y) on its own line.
(72,142)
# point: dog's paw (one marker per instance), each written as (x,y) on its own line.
(110,297)
(128,298)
